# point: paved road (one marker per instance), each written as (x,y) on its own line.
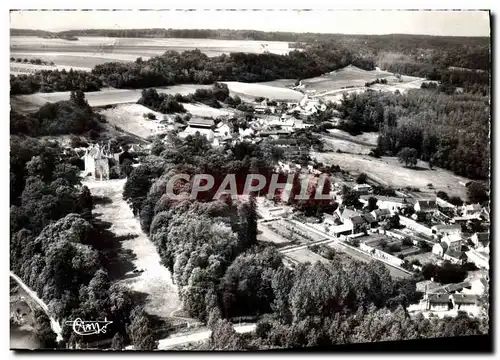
(54,324)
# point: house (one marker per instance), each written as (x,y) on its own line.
(471,209)
(381,214)
(440,249)
(438,302)
(454,241)
(393,204)
(222,130)
(363,189)
(201,126)
(354,220)
(480,239)
(465,302)
(444,229)
(454,256)
(370,220)
(427,206)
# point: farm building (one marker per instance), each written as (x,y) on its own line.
(443,229)
(201,126)
(427,206)
(438,302)
(465,302)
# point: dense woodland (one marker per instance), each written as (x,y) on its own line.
(74,116)
(57,247)
(210,247)
(449,131)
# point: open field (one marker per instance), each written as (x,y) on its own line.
(341,140)
(389,172)
(155,280)
(352,77)
(129,117)
(305,255)
(107,49)
(249,91)
(33,102)
(280,83)
(21,68)
(205,110)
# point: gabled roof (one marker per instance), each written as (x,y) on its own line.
(201,122)
(348,213)
(369,218)
(464,298)
(439,298)
(381,212)
(453,237)
(455,254)
(427,204)
(443,245)
(357,220)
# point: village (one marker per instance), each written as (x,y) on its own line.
(407,230)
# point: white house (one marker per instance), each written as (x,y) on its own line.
(222,130)
(439,249)
(426,206)
(471,209)
(444,229)
(454,241)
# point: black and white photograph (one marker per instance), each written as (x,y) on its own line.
(212,180)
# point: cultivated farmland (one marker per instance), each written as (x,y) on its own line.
(88,51)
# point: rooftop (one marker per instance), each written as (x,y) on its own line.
(201,122)
(439,298)
(464,298)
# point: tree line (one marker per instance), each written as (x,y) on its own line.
(47,81)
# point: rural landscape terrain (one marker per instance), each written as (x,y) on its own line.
(392,130)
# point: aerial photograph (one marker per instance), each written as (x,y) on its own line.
(226,180)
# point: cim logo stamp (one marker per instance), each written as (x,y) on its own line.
(81,327)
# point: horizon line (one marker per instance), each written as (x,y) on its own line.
(260,31)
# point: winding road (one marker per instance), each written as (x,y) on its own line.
(54,324)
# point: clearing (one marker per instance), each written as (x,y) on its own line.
(249,91)
(351,77)
(155,280)
(340,140)
(129,118)
(203,110)
(389,172)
